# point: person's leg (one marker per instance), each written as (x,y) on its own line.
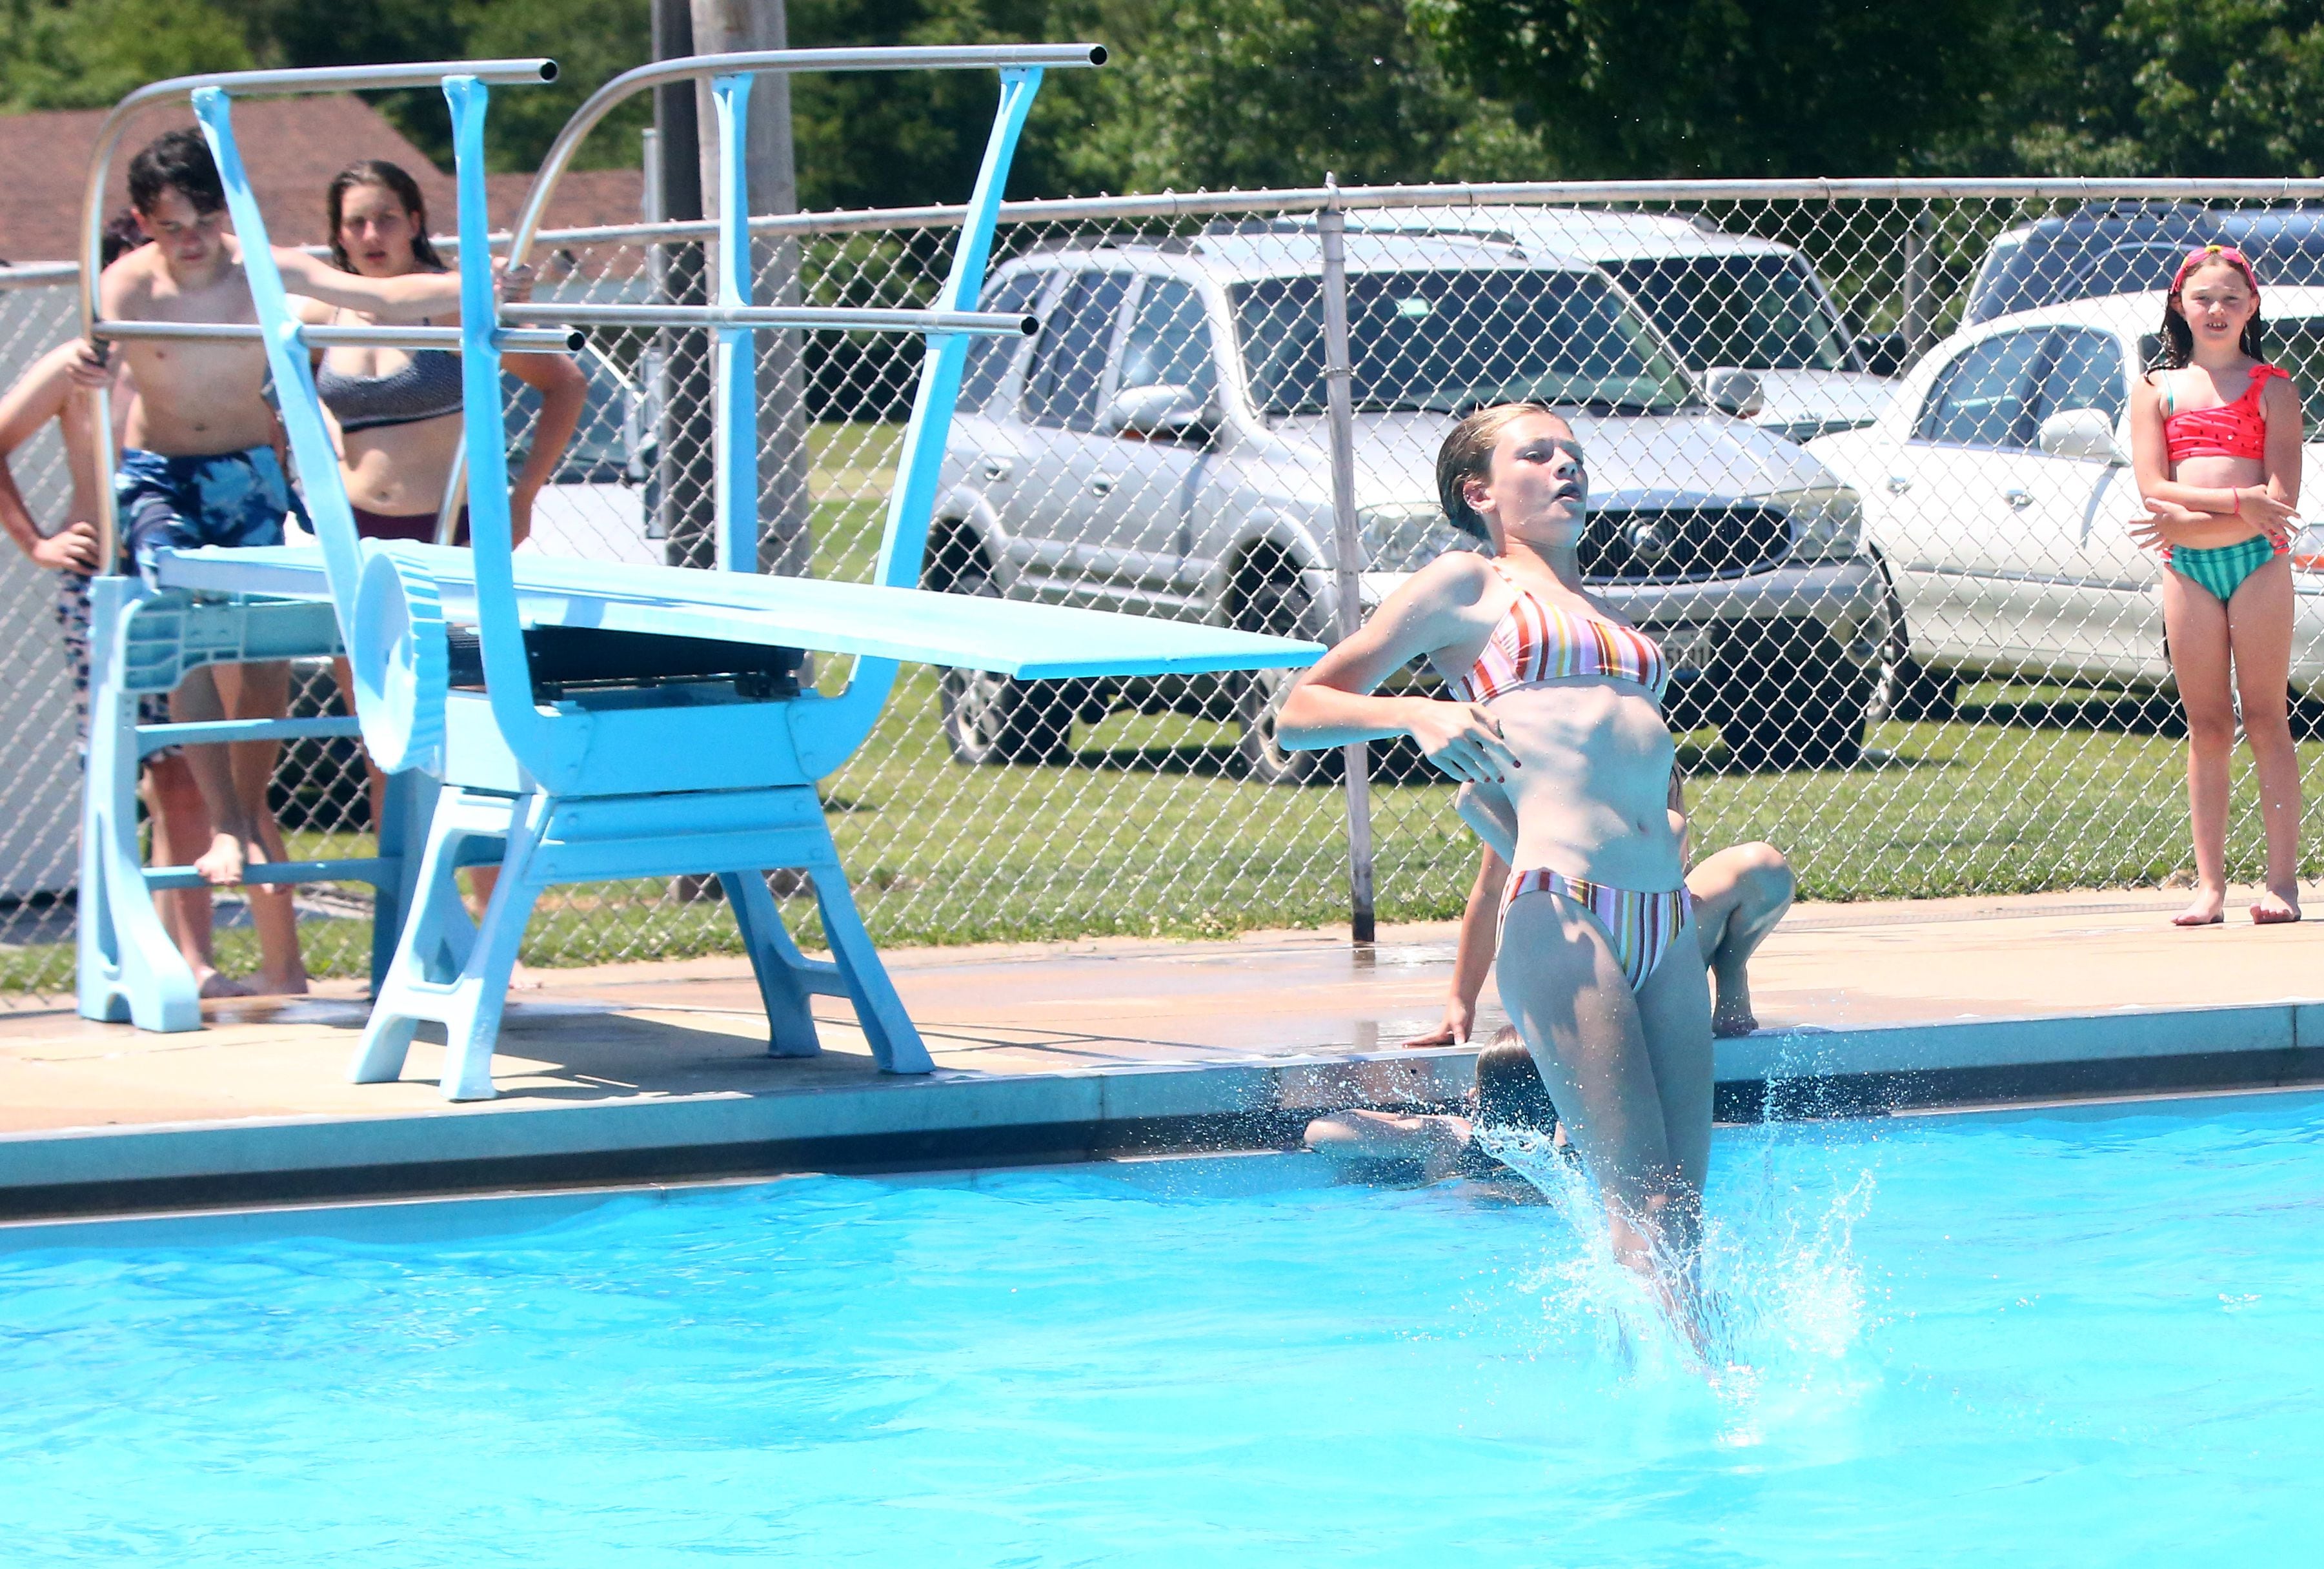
(197,701)
(2259,631)
(1740,894)
(1565,990)
(181,825)
(1675,1020)
(2196,623)
(263,691)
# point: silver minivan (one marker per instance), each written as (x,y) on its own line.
(1160,447)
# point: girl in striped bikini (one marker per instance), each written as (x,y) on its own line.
(2215,439)
(1554,713)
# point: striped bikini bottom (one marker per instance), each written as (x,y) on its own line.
(1640,928)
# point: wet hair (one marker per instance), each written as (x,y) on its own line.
(1468,455)
(2179,339)
(392,178)
(1509,1091)
(120,236)
(178,160)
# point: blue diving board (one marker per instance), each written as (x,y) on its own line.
(651,769)
(1032,642)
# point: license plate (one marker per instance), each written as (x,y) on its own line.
(1689,650)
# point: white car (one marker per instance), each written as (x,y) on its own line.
(1998,494)
(1727,302)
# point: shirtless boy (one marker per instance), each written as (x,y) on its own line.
(201,464)
(47,392)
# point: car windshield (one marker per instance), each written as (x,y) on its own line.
(1758,313)
(1446,342)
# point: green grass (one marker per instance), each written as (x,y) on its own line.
(1148,832)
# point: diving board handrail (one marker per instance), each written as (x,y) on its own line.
(729,76)
(248,84)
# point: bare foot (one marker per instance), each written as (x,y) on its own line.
(221,865)
(2273,909)
(2209,910)
(1730,1020)
(214,985)
(294,985)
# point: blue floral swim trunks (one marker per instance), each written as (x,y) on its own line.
(236,499)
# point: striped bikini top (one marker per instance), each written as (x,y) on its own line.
(1535,642)
(2237,429)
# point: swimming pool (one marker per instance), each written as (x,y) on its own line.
(2045,1337)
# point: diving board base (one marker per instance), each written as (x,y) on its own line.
(449,974)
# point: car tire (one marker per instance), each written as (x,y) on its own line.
(1284,609)
(1902,689)
(1798,703)
(992,720)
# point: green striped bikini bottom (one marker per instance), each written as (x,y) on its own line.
(2223,570)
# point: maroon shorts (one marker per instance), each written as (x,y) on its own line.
(420,528)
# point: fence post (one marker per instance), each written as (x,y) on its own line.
(1919,283)
(684,457)
(1347,545)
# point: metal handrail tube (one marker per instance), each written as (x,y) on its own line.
(357,869)
(529,339)
(977,323)
(686,67)
(259,84)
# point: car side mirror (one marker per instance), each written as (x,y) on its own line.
(1884,353)
(2080,433)
(1163,413)
(1734,392)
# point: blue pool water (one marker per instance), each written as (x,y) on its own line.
(2036,1339)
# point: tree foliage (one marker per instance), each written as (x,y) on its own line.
(1217,93)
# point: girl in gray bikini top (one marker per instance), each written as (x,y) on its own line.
(428,388)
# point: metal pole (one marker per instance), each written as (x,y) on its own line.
(688,426)
(1919,280)
(1347,547)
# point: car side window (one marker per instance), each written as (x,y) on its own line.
(1069,360)
(989,358)
(2085,373)
(1169,343)
(1985,397)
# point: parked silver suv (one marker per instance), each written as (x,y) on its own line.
(1160,447)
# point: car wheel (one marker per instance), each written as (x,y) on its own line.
(1259,697)
(1284,609)
(1798,703)
(992,719)
(1903,690)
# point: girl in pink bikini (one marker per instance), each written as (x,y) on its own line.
(2215,439)
(1553,721)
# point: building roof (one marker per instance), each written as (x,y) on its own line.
(292,147)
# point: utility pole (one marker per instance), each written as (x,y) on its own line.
(684,459)
(786,544)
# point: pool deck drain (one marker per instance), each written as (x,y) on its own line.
(1112,1046)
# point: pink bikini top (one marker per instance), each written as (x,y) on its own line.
(2237,429)
(1535,642)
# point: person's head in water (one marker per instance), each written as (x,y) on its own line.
(180,203)
(378,221)
(1514,469)
(2215,296)
(1510,1094)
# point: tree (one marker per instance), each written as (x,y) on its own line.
(87,54)
(1634,89)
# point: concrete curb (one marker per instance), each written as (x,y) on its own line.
(955,1119)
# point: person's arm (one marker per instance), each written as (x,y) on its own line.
(1334,704)
(407,297)
(1473,957)
(2280,402)
(563,390)
(2253,506)
(39,395)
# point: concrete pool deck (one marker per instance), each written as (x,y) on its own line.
(1111,1047)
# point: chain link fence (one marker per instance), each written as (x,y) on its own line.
(1858,457)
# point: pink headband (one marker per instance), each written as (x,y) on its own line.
(2206,255)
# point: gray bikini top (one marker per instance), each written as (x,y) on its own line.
(428,388)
